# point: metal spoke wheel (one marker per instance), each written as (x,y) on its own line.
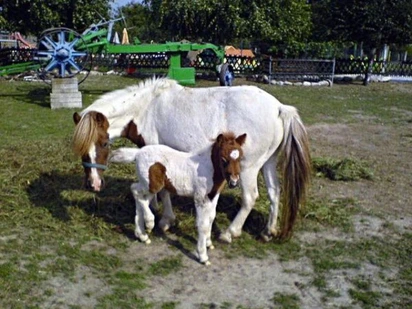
(226,75)
(62,53)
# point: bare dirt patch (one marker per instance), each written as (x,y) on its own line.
(388,151)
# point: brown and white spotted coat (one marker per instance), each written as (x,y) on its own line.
(161,169)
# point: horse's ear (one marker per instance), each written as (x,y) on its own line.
(219,139)
(76,118)
(241,139)
(101,120)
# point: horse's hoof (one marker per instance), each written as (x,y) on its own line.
(226,237)
(235,234)
(149,226)
(211,247)
(165,225)
(204,261)
(145,239)
(265,237)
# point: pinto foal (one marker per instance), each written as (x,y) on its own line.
(161,169)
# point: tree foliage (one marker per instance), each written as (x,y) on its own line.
(280,27)
(142,21)
(35,16)
(223,21)
(372,22)
(282,24)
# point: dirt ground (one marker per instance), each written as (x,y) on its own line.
(251,283)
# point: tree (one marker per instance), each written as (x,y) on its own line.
(142,20)
(216,21)
(35,16)
(373,23)
(275,23)
(284,25)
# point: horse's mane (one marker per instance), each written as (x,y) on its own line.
(84,135)
(118,102)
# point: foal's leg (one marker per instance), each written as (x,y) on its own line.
(149,218)
(212,216)
(203,215)
(273,189)
(140,201)
(168,217)
(249,195)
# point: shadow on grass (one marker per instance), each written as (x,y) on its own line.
(38,96)
(57,192)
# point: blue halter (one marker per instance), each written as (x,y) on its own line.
(95,165)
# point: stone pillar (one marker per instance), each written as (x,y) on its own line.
(65,93)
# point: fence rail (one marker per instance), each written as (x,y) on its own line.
(358,66)
(298,69)
(279,69)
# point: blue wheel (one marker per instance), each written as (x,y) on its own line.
(62,54)
(226,75)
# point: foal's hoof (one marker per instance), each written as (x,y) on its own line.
(205,262)
(211,247)
(144,239)
(226,237)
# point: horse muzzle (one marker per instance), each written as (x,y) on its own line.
(94,180)
(95,185)
(233,182)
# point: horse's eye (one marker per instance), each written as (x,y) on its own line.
(105,145)
(225,162)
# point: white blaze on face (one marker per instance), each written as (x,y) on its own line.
(234,154)
(96,182)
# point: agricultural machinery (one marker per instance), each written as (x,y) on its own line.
(63,52)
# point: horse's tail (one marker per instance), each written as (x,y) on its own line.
(295,166)
(124,155)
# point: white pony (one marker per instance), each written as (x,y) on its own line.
(201,176)
(160,111)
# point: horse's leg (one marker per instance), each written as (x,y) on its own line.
(203,215)
(273,189)
(149,218)
(140,200)
(154,204)
(168,217)
(249,195)
(212,216)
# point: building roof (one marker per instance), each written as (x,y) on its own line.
(233,51)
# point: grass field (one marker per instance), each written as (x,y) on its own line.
(63,247)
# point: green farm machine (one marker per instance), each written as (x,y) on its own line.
(62,52)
